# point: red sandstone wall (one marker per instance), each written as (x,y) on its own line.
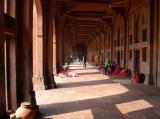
(141,12)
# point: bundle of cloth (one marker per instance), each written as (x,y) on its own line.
(62,75)
(71,74)
(67,74)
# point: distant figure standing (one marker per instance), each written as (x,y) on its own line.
(84,61)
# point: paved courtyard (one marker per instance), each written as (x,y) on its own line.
(96,96)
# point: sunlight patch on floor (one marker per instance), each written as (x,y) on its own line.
(85,114)
(80,79)
(133,106)
(82,93)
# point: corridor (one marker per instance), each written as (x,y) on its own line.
(39,37)
(96,96)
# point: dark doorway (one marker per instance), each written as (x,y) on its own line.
(79,50)
(137,60)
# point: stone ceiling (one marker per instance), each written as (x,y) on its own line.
(84,17)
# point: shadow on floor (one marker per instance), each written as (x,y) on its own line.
(107,107)
(43,118)
(75,65)
(89,73)
(82,68)
(86,83)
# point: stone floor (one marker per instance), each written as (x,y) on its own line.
(96,96)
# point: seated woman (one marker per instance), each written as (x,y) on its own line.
(106,67)
(138,78)
(101,67)
(66,67)
(117,70)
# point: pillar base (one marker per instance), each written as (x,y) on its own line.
(50,83)
(43,83)
(38,83)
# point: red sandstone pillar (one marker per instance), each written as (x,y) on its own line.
(24,16)
(54,48)
(112,43)
(48,17)
(38,78)
(11,7)
(59,35)
(2,69)
(60,42)
(43,29)
(125,41)
(58,38)
(51,81)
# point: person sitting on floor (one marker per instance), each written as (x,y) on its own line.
(138,78)
(66,67)
(112,67)
(107,67)
(84,61)
(117,70)
(101,65)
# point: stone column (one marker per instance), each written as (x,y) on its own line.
(47,44)
(105,40)
(154,42)
(112,42)
(99,48)
(11,7)
(38,78)
(63,43)
(43,29)
(54,48)
(2,68)
(51,81)
(58,39)
(24,16)
(125,40)
(103,45)
(60,42)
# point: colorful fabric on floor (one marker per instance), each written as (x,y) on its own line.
(67,74)
(117,70)
(71,74)
(62,75)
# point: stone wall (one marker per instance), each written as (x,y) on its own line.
(139,36)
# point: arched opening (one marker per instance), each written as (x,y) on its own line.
(79,51)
